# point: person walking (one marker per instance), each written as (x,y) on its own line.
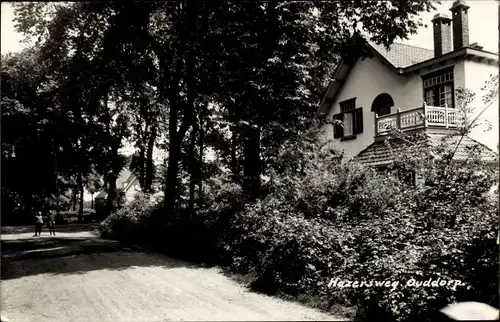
(52,222)
(38,224)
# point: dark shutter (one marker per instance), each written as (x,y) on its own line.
(338,130)
(358,121)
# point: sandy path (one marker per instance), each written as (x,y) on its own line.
(79,277)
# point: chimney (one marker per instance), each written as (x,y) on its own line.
(476,46)
(460,24)
(442,34)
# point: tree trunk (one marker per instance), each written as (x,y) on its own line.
(92,201)
(149,161)
(172,170)
(234,161)
(252,163)
(200,160)
(112,195)
(142,161)
(73,198)
(141,142)
(192,170)
(176,136)
(112,200)
(80,189)
(58,208)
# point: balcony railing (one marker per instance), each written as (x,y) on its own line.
(420,117)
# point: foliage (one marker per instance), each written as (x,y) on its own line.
(27,133)
(131,223)
(153,68)
(240,82)
(362,225)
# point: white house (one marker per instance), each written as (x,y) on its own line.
(127,186)
(398,86)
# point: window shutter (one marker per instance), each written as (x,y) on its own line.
(358,121)
(338,130)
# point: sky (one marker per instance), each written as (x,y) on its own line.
(483,24)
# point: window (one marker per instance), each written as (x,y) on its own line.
(438,88)
(351,118)
(407,176)
(347,122)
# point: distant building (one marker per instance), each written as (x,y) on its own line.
(127,186)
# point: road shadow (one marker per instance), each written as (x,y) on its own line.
(75,254)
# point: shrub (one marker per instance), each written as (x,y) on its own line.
(285,253)
(444,228)
(325,218)
(338,219)
(132,222)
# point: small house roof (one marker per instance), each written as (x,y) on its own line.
(126,177)
(101,195)
(379,153)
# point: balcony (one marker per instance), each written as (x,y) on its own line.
(418,118)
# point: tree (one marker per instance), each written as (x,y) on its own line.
(259,67)
(27,129)
(277,57)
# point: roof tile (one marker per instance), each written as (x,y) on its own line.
(402,55)
(381,153)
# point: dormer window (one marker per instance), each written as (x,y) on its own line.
(351,118)
(438,88)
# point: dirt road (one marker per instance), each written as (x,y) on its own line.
(77,276)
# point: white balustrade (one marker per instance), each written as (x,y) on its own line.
(386,123)
(412,118)
(435,116)
(442,116)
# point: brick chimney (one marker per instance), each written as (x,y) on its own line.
(442,34)
(460,24)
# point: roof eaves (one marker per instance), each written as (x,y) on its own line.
(435,60)
(481,52)
(335,85)
(460,53)
(127,188)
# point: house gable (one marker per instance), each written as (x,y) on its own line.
(408,88)
(407,60)
(365,80)
(124,183)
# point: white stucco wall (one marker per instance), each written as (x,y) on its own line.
(130,194)
(476,76)
(367,79)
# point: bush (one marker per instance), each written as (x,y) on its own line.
(182,234)
(285,253)
(325,218)
(132,223)
(338,219)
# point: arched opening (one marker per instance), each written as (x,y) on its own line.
(382,104)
